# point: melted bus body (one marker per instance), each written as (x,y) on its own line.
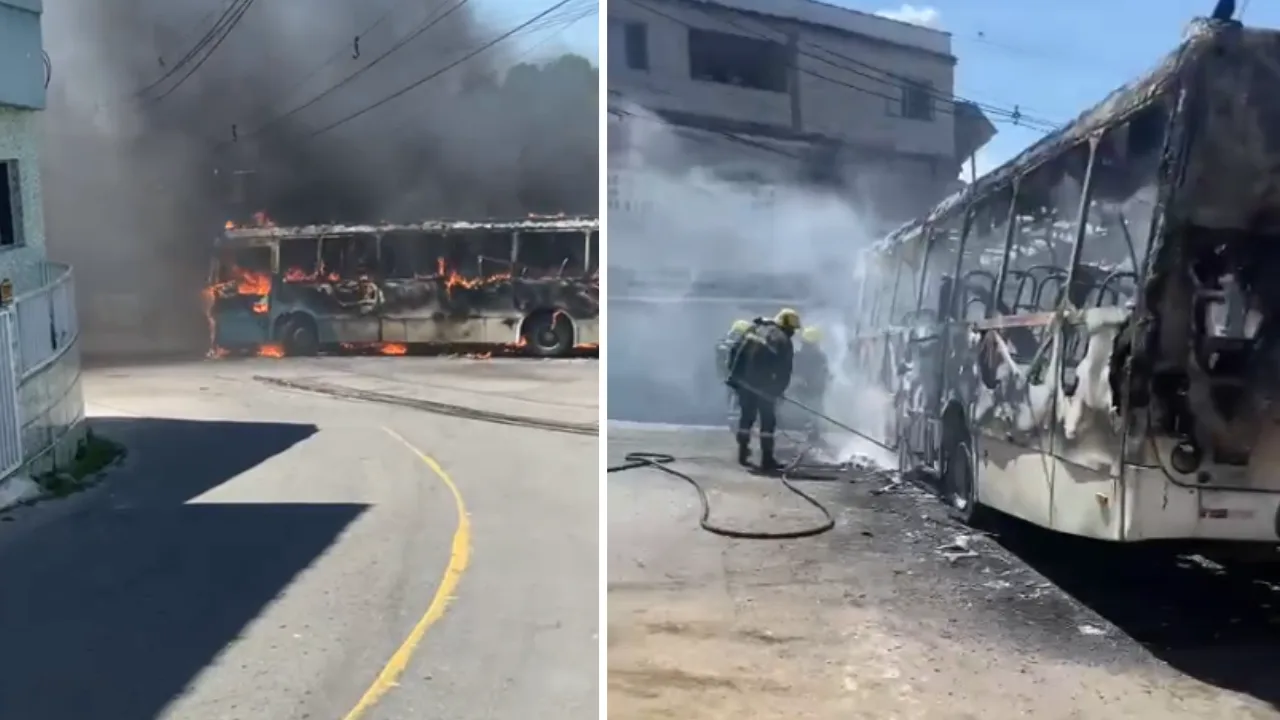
(530,283)
(1088,338)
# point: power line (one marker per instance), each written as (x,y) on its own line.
(1014,116)
(564,25)
(341,52)
(561,20)
(227,14)
(231,25)
(187,36)
(733,137)
(442,70)
(422,28)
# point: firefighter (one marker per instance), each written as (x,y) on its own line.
(812,376)
(723,350)
(759,373)
(725,346)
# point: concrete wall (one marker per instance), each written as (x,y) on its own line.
(867,116)
(19,141)
(22,69)
(51,406)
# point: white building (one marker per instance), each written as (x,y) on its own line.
(767,89)
(41,410)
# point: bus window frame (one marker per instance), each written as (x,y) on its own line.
(271,245)
(953,298)
(518,235)
(893,295)
(1082,220)
(1010,232)
(927,239)
(956,308)
(275,262)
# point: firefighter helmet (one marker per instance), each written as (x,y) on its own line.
(788,319)
(811,335)
(740,326)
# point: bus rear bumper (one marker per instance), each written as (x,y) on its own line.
(1157,508)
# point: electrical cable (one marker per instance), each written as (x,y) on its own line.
(418,83)
(563,25)
(244,8)
(1014,116)
(422,28)
(619,112)
(341,52)
(203,42)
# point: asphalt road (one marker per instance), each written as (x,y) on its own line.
(900,612)
(266,552)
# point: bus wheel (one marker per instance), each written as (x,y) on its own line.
(546,335)
(959,489)
(299,337)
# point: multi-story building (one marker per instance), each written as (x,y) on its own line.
(769,89)
(41,409)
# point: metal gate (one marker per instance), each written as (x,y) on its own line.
(10,416)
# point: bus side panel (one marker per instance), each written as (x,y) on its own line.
(1088,436)
(239,322)
(497,329)
(1010,413)
(587,330)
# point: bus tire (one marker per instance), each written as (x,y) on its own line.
(960,481)
(299,337)
(547,335)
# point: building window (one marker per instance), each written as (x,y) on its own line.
(736,60)
(917,100)
(636,45)
(10,205)
(629,44)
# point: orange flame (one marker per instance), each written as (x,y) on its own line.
(452,279)
(243,282)
(393,349)
(271,351)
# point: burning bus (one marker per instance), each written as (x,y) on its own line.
(532,284)
(1087,338)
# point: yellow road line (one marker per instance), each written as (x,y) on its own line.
(459,557)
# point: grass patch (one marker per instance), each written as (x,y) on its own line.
(94,454)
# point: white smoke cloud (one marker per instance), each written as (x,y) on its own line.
(923,16)
(674,227)
(985,162)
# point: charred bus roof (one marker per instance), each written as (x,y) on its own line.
(1222,59)
(267,234)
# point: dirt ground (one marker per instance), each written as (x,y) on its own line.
(897,613)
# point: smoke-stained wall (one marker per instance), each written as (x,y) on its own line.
(137,185)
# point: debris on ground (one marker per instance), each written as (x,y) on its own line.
(960,547)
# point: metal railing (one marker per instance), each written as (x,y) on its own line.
(47,323)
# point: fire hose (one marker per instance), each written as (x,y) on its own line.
(796,470)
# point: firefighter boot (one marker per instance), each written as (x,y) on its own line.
(744,453)
(767,462)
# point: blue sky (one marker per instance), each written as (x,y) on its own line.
(581,37)
(1052,60)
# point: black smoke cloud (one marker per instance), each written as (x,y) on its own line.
(136,186)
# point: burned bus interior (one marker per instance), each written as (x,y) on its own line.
(1157,208)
